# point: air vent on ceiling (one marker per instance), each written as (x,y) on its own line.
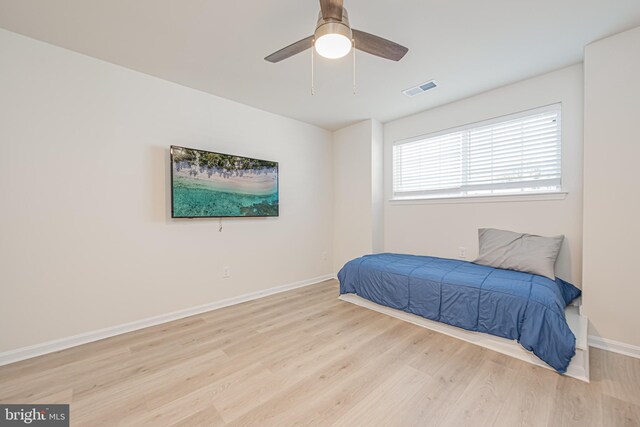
(421,88)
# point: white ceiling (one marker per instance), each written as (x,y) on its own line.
(218,46)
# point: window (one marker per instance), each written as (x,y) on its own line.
(516,154)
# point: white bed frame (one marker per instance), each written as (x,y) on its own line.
(579,367)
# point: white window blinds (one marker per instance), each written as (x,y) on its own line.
(516,154)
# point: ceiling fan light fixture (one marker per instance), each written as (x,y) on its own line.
(333,40)
(333,46)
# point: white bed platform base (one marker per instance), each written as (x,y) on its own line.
(579,367)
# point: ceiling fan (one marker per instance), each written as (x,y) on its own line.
(334,38)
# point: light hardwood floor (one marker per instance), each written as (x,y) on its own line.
(305,358)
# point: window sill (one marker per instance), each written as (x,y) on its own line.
(556,195)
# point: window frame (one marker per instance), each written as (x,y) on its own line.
(432,196)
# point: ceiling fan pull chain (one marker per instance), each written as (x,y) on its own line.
(354,65)
(313,87)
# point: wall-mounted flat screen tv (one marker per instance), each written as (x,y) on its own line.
(206,184)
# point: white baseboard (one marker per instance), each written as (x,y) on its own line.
(614,346)
(23,353)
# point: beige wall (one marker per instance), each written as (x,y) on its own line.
(357,189)
(612,187)
(377,185)
(86,239)
(439,229)
(352,217)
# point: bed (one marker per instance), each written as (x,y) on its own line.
(517,306)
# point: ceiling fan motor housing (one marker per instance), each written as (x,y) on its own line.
(330,26)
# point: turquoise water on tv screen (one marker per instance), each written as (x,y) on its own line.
(191,200)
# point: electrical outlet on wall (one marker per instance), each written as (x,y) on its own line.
(462,252)
(324,256)
(226,272)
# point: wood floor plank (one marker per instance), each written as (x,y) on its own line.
(482,400)
(385,403)
(303,357)
(324,346)
(328,407)
(322,380)
(243,396)
(433,402)
(616,412)
(617,375)
(530,401)
(207,417)
(576,404)
(436,353)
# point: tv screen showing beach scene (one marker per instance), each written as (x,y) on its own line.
(206,184)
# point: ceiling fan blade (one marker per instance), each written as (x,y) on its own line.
(331,9)
(378,46)
(292,49)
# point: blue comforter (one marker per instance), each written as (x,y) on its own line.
(519,306)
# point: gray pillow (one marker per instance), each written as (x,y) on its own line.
(520,252)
